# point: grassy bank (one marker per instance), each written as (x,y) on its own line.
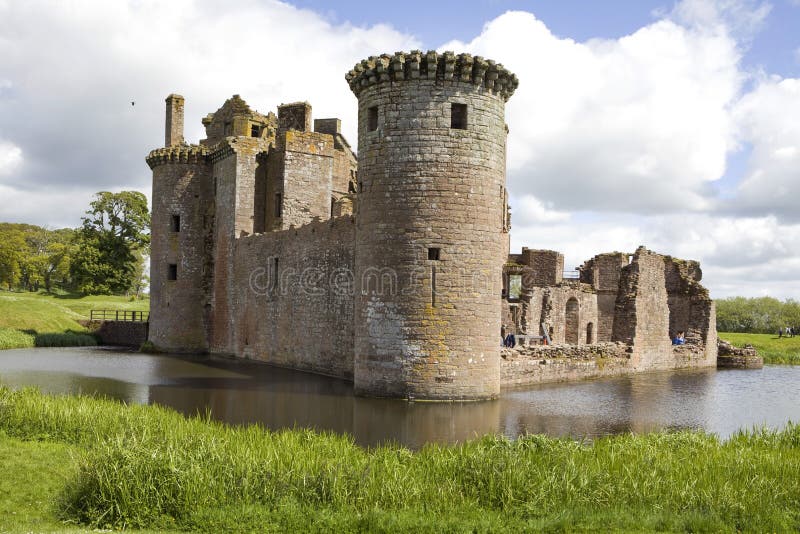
(141,466)
(769,346)
(51,320)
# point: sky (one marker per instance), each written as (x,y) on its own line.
(674,125)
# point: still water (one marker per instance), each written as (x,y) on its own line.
(241,392)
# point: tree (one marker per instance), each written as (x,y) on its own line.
(110,244)
(12,256)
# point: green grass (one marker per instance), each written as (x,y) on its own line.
(773,349)
(149,467)
(50,320)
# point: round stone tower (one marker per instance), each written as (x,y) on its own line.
(431,235)
(179,239)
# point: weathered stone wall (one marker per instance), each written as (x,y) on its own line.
(292,302)
(173,132)
(429,328)
(546,267)
(307,175)
(603,273)
(124,333)
(182,186)
(642,311)
(561,363)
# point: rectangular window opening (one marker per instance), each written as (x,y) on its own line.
(176,223)
(458,116)
(514,286)
(275,272)
(434,253)
(255,130)
(278,205)
(372,118)
(172,272)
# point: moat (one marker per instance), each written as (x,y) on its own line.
(243,392)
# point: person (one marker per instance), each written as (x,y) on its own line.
(780,332)
(510,341)
(679,339)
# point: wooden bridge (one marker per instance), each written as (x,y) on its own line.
(120,315)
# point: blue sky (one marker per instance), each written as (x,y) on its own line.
(774,48)
(674,125)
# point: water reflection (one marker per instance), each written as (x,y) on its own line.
(241,392)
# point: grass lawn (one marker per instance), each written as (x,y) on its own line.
(784,350)
(46,319)
(107,465)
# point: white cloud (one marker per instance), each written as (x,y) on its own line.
(768,120)
(77,66)
(10,158)
(638,124)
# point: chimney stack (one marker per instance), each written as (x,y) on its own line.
(174,124)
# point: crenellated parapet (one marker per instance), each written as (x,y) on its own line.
(431,65)
(177,154)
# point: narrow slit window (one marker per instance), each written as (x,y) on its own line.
(275,275)
(176,223)
(172,271)
(372,118)
(458,116)
(278,205)
(433,286)
(434,253)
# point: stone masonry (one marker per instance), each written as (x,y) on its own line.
(272,241)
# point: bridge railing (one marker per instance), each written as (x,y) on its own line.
(120,315)
(571,275)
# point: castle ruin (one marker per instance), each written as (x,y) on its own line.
(272,241)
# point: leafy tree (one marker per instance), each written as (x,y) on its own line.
(110,243)
(12,256)
(763,315)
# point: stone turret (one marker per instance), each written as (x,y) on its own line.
(431,226)
(180,266)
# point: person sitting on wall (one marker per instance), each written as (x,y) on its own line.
(679,339)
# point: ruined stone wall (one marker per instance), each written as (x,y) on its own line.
(182,186)
(292,298)
(549,305)
(603,273)
(643,315)
(546,267)
(430,223)
(235,118)
(562,363)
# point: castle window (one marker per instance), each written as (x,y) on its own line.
(278,205)
(175,223)
(433,253)
(514,286)
(228,129)
(275,275)
(172,272)
(458,116)
(372,119)
(255,130)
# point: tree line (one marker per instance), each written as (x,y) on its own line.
(762,315)
(105,255)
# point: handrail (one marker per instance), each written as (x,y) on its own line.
(120,315)
(571,275)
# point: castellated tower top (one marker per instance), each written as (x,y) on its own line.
(417,65)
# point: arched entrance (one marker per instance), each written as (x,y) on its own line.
(571,322)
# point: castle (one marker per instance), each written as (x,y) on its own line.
(272,241)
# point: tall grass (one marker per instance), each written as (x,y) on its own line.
(151,467)
(23,339)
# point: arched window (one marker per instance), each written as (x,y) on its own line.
(589,333)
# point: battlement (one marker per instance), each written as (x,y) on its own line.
(177,154)
(430,65)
